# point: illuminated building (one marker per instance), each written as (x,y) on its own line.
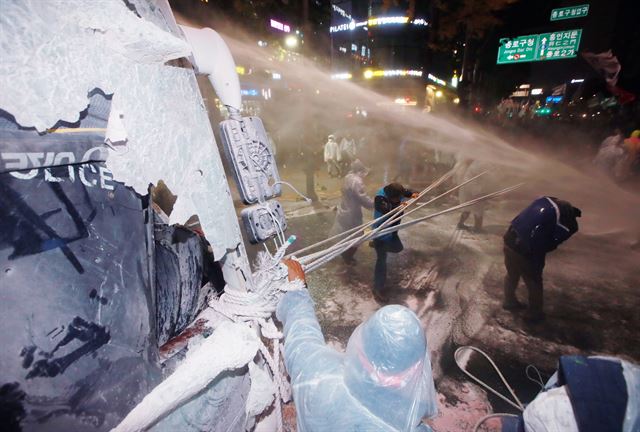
(383,48)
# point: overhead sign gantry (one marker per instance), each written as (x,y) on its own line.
(539,47)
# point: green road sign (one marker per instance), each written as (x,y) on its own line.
(546,46)
(519,50)
(559,45)
(578,11)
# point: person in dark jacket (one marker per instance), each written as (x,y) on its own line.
(387,199)
(536,231)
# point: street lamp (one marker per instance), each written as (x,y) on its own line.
(291,41)
(438,94)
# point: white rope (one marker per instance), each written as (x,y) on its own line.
(279,230)
(380,232)
(257,307)
(365,225)
(451,209)
(518,405)
(310,257)
(307,199)
(538,380)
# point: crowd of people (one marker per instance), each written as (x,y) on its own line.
(618,157)
(339,155)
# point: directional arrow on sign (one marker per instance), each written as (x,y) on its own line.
(543,46)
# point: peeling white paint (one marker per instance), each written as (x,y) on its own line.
(64,51)
(170,139)
(262,391)
(230,347)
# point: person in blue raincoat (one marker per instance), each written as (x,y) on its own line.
(537,230)
(382,383)
(387,199)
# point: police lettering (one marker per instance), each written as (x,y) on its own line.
(27,165)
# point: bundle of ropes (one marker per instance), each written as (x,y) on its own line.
(365,232)
(257,307)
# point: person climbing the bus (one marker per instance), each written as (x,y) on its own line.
(537,230)
(387,199)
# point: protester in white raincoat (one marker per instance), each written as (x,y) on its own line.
(353,199)
(611,153)
(613,140)
(347,151)
(609,158)
(466,169)
(332,156)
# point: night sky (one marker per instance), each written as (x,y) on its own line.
(610,24)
